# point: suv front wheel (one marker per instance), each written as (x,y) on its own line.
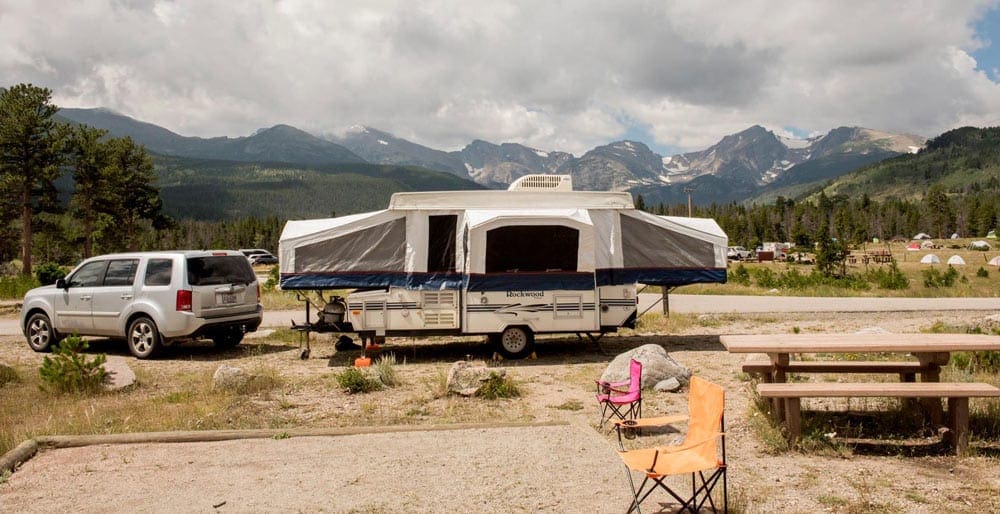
(143,338)
(41,336)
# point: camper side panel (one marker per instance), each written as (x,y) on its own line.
(404,310)
(542,311)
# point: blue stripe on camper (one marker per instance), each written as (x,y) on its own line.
(659,276)
(350,280)
(551,281)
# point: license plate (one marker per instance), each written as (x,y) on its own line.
(227,298)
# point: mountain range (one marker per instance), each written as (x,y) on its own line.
(741,167)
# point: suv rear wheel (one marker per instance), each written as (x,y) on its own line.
(143,338)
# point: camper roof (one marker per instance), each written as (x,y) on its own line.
(510,200)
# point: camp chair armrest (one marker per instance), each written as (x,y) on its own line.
(612,387)
(688,446)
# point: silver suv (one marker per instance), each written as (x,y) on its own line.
(149,298)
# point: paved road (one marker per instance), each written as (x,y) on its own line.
(711,304)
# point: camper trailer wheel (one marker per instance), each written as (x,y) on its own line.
(516,342)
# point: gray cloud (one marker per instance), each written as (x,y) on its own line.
(554,75)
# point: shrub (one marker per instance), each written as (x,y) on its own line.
(68,370)
(982,273)
(498,386)
(15,286)
(977,362)
(935,278)
(740,275)
(49,272)
(891,278)
(355,380)
(385,368)
(766,278)
(272,279)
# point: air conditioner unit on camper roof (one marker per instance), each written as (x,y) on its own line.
(542,183)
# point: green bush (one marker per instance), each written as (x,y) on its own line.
(889,278)
(355,380)
(982,273)
(498,386)
(935,278)
(67,370)
(977,362)
(49,272)
(272,279)
(740,275)
(766,278)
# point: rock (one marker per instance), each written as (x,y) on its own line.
(667,386)
(229,377)
(7,374)
(656,366)
(120,375)
(465,379)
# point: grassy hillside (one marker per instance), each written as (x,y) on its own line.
(217,190)
(959,160)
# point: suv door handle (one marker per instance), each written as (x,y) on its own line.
(126,296)
(86,297)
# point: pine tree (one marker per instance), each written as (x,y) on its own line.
(88,158)
(30,153)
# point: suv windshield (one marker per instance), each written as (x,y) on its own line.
(228,269)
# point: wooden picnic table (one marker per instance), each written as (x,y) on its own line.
(931,350)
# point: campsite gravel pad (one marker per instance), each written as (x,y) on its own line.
(555,469)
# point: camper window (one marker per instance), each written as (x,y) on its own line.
(441,243)
(531,248)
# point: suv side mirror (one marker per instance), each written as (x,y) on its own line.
(61,283)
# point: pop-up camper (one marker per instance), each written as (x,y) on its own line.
(537,258)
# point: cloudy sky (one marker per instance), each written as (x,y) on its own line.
(555,75)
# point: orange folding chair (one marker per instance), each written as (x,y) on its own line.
(698,455)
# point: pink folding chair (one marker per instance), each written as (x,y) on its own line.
(615,400)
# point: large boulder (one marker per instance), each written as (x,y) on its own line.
(120,375)
(465,379)
(657,366)
(229,377)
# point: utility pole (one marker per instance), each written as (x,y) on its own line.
(689,190)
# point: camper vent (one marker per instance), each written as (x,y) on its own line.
(543,183)
(439,299)
(444,319)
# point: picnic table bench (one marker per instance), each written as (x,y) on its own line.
(907,370)
(957,394)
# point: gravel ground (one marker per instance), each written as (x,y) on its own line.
(555,469)
(566,468)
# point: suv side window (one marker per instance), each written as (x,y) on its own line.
(89,275)
(158,272)
(121,272)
